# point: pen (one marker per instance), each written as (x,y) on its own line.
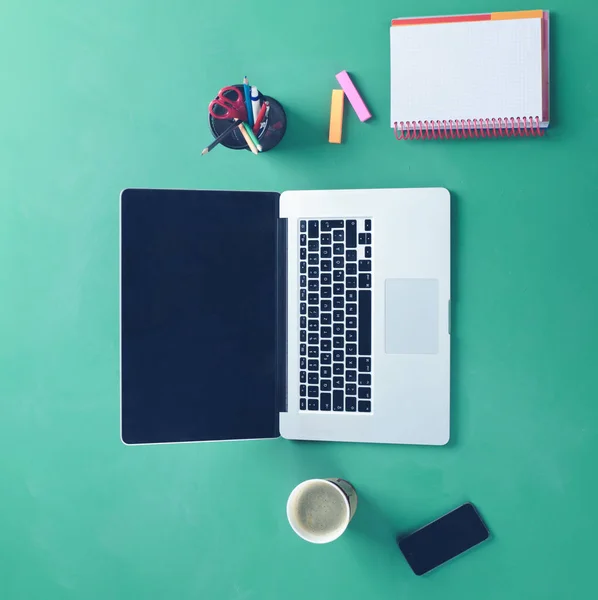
(255,102)
(247,90)
(219,139)
(260,117)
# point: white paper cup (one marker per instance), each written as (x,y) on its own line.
(319,510)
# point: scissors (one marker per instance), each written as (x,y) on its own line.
(229,104)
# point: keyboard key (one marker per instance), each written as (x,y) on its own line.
(313,285)
(302,240)
(325,401)
(312,325)
(351,362)
(362,238)
(351,349)
(350,388)
(302,308)
(302,349)
(338,235)
(351,268)
(351,335)
(326,318)
(351,295)
(350,403)
(326,292)
(313,272)
(351,308)
(365,280)
(338,355)
(326,345)
(312,352)
(325,385)
(313,259)
(326,332)
(338,316)
(337,383)
(351,282)
(338,262)
(351,375)
(314,312)
(368,225)
(303,336)
(338,400)
(302,404)
(368,238)
(365,265)
(303,254)
(338,248)
(364,406)
(339,342)
(338,301)
(326,305)
(302,363)
(368,252)
(302,322)
(365,364)
(351,255)
(313,245)
(338,329)
(303,390)
(338,289)
(302,295)
(351,322)
(303,376)
(328,225)
(312,404)
(338,368)
(326,239)
(312,365)
(325,279)
(326,358)
(365,322)
(302,226)
(313,378)
(313,338)
(338,275)
(325,372)
(326,266)
(303,281)
(365,379)
(351,234)
(302,267)
(326,252)
(313,229)
(364,393)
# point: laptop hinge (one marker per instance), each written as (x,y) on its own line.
(281,315)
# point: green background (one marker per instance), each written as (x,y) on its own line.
(95,97)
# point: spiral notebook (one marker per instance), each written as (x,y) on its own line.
(483,75)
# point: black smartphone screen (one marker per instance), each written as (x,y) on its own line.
(443,539)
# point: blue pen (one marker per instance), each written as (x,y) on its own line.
(248,101)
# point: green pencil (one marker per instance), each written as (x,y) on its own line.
(254,138)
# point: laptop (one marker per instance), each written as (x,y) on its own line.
(311,315)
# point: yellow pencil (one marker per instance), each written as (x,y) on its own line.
(250,143)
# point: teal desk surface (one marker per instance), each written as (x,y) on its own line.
(104,95)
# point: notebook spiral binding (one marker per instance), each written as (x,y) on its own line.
(468,128)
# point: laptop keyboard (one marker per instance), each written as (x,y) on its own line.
(335,315)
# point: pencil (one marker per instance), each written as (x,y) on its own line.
(247,90)
(243,129)
(253,138)
(260,117)
(220,138)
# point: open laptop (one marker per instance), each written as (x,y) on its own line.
(315,315)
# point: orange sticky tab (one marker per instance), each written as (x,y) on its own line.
(519,14)
(336,117)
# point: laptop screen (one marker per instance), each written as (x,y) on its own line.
(198,315)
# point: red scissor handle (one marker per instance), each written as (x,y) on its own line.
(228,104)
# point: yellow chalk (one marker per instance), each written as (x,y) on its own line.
(336,117)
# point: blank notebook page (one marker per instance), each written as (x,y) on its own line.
(466,70)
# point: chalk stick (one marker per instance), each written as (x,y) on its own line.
(353,95)
(336,117)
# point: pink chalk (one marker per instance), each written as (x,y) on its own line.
(353,95)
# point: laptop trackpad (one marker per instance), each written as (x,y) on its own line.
(411,316)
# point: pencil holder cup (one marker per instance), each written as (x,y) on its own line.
(271,131)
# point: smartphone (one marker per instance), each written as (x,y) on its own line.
(443,539)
